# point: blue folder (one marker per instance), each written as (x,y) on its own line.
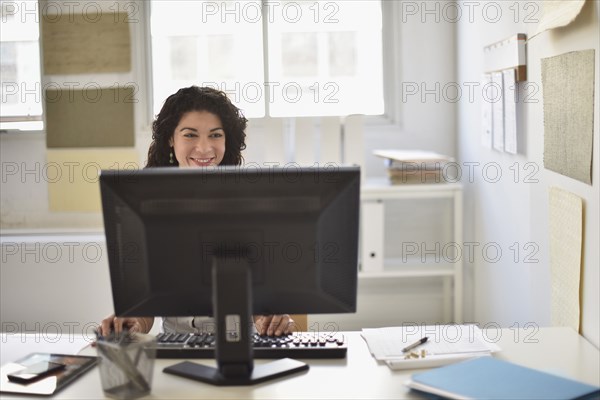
(491,378)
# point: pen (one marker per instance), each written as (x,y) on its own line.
(412,346)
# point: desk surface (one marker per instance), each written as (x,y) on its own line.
(556,350)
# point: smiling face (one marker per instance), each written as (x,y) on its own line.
(199,140)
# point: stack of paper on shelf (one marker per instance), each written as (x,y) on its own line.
(491,378)
(445,344)
(415,166)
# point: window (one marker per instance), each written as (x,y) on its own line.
(276,58)
(20,66)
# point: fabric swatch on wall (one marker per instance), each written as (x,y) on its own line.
(77,43)
(568,85)
(72,176)
(92,117)
(566,238)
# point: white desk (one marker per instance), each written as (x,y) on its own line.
(558,350)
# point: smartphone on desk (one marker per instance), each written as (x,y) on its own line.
(35,372)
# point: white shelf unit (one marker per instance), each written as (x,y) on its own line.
(373,263)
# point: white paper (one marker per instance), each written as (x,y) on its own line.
(387,343)
(510,111)
(497,100)
(432,361)
(486,112)
(557,13)
(46,386)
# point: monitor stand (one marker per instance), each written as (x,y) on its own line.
(232,295)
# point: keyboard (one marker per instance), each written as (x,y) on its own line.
(294,345)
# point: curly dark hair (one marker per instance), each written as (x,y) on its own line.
(196,98)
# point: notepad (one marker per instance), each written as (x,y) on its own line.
(491,378)
(446,344)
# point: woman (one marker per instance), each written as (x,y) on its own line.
(197,127)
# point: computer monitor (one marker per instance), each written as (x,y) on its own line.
(232,241)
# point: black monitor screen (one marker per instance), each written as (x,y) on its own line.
(297,229)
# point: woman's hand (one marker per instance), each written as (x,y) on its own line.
(274,325)
(118,324)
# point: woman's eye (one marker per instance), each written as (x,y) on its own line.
(217,135)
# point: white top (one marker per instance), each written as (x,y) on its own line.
(199,324)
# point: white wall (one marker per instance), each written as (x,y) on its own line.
(60,283)
(513,211)
(54,283)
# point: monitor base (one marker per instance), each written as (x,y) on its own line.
(260,373)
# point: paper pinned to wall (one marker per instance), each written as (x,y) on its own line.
(566,236)
(94,117)
(510,111)
(498,111)
(557,13)
(568,93)
(73,176)
(85,44)
(486,109)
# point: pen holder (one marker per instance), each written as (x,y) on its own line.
(127,365)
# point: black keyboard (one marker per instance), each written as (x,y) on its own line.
(294,345)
